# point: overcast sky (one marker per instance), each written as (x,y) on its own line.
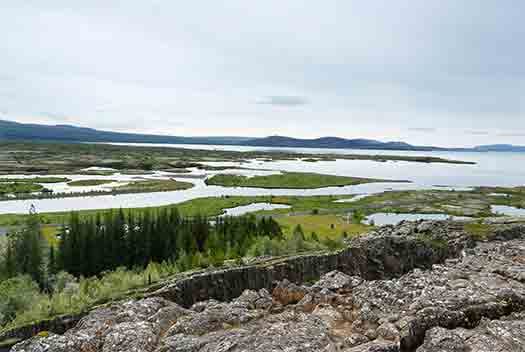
(427,72)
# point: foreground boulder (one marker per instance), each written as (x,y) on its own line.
(472,302)
(506,334)
(129,326)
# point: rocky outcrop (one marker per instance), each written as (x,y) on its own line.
(58,325)
(388,252)
(506,334)
(472,301)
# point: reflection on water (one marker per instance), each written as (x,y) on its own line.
(120,179)
(353,199)
(244,209)
(380,219)
(492,169)
(138,200)
(507,210)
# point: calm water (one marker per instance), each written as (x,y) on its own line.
(492,169)
(507,210)
(352,199)
(244,209)
(380,219)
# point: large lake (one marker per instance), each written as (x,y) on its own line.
(491,169)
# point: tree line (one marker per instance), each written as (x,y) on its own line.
(89,246)
(102,257)
(92,245)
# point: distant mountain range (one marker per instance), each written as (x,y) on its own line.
(10,130)
(499,148)
(332,142)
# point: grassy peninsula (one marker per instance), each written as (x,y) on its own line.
(290,180)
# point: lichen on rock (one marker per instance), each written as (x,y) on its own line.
(472,300)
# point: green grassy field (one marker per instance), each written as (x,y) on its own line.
(325,226)
(72,158)
(19,187)
(93,182)
(297,180)
(474,203)
(25,186)
(49,232)
(96,172)
(36,179)
(154,186)
(208,206)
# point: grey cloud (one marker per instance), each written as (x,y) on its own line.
(283,100)
(423,129)
(56,116)
(372,69)
(477,133)
(510,134)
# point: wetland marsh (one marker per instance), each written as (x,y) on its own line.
(90,177)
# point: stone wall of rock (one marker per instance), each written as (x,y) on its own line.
(388,252)
(57,325)
(380,255)
(475,302)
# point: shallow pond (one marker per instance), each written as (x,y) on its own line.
(492,168)
(498,194)
(138,200)
(244,209)
(507,210)
(504,169)
(380,219)
(353,199)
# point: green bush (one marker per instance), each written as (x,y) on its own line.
(21,301)
(17,294)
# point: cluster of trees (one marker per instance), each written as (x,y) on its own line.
(92,245)
(102,257)
(23,252)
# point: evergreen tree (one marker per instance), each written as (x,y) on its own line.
(90,246)
(52,264)
(10,264)
(25,250)
(298,238)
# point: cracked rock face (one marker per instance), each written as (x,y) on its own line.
(475,302)
(506,334)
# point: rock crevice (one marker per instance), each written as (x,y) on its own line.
(424,286)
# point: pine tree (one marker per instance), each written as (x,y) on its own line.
(52,264)
(298,238)
(26,250)
(89,246)
(10,264)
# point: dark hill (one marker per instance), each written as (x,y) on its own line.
(17,131)
(332,142)
(10,130)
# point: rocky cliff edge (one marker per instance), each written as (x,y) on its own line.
(471,299)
